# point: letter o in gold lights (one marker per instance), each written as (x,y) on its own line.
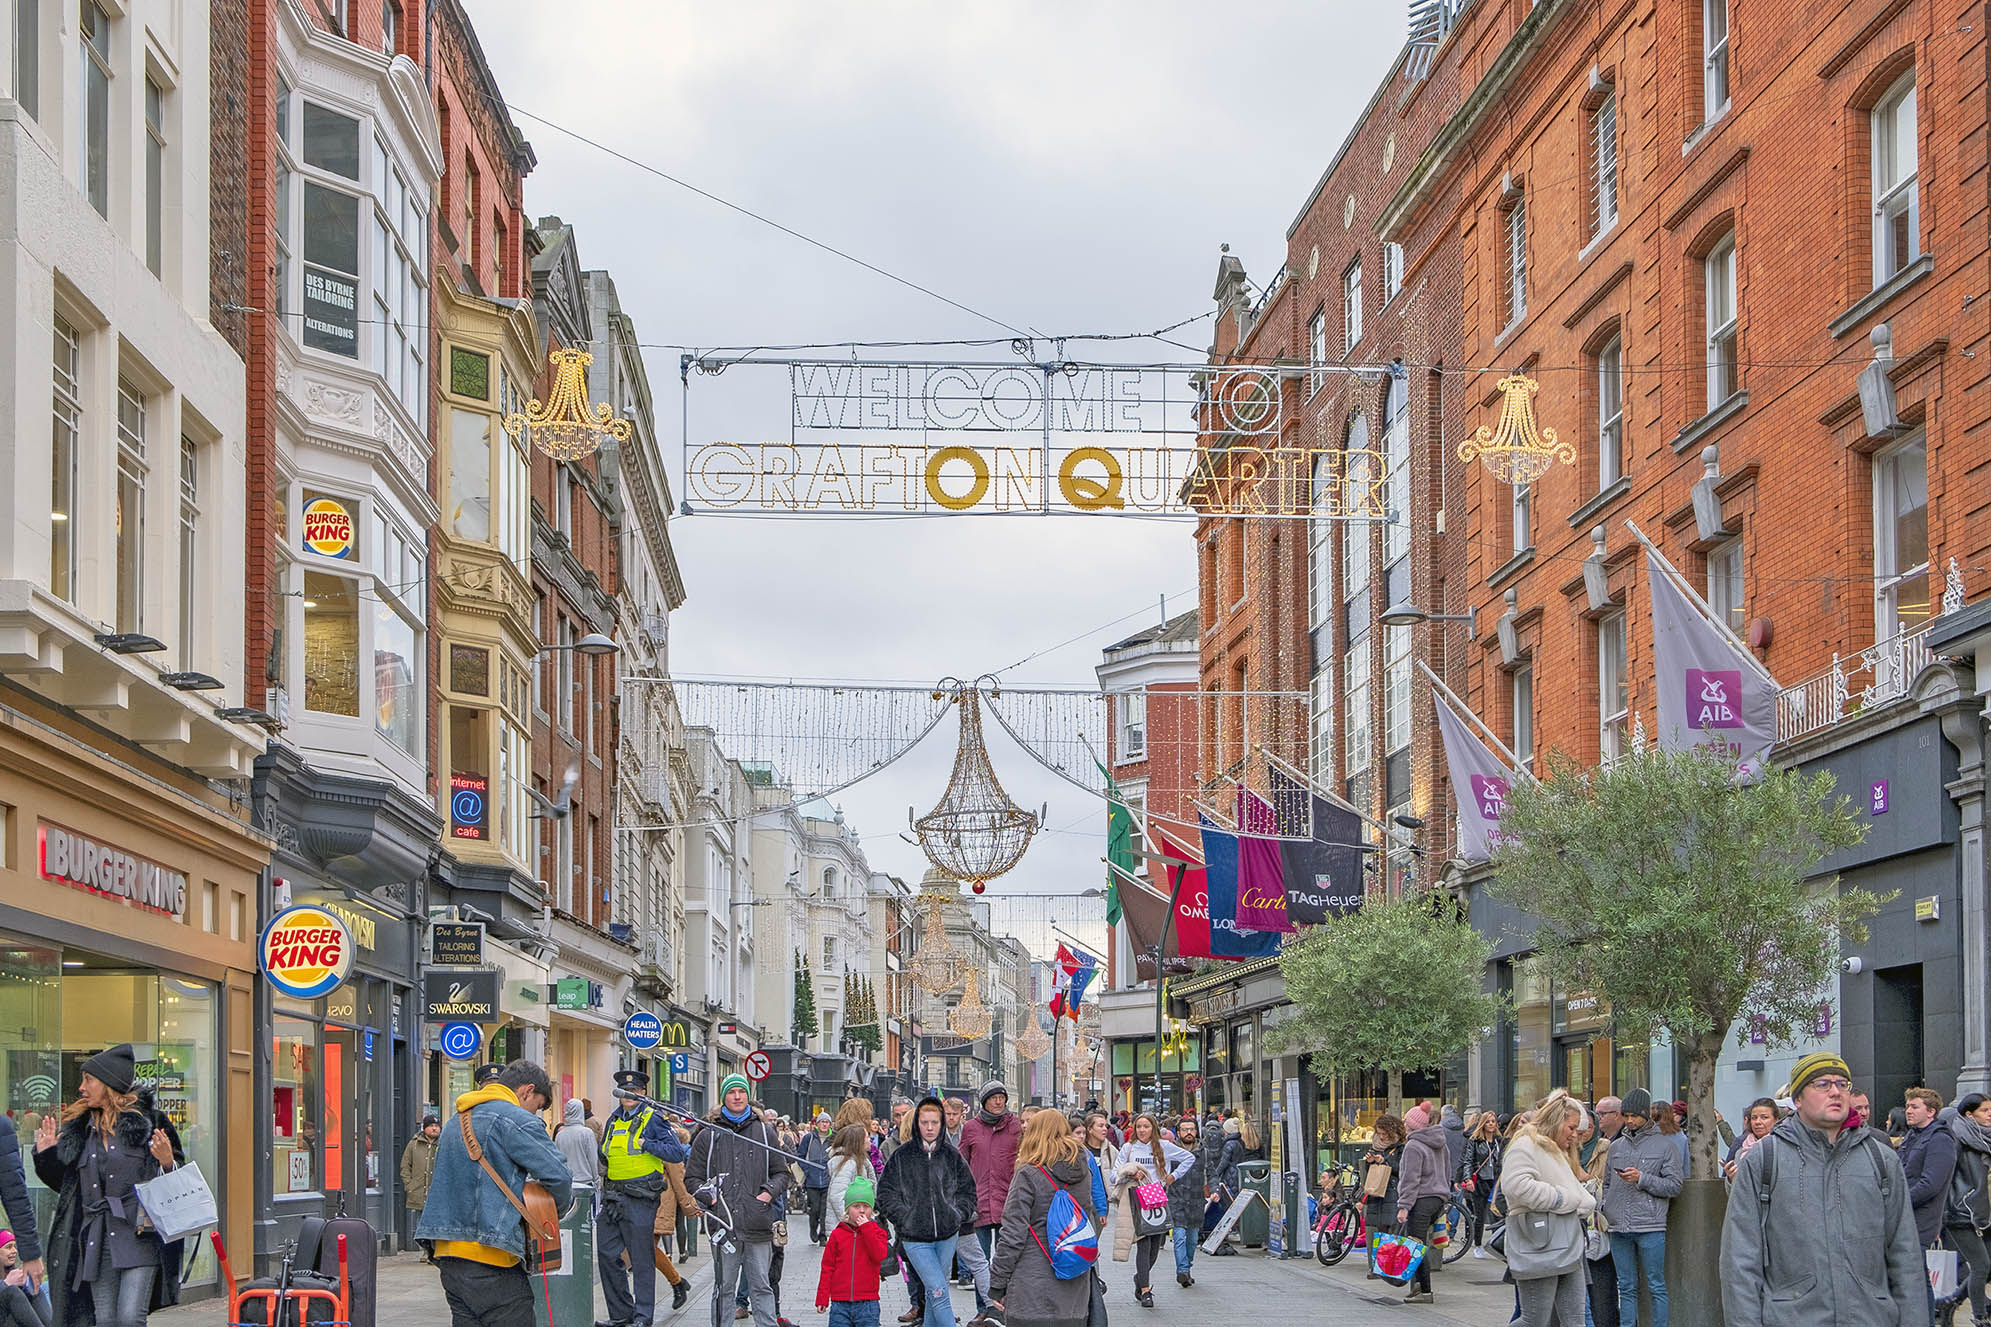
(976,491)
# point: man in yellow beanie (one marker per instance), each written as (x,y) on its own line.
(1819,1226)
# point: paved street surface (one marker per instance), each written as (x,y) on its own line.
(1247,1288)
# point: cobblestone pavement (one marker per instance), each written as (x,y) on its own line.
(1248,1288)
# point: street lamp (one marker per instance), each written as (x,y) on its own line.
(1406,614)
(594,643)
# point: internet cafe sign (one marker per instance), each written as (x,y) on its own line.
(1016,438)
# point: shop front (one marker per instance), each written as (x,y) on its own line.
(583,1044)
(127,914)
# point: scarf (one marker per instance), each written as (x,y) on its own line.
(740,1118)
(993,1121)
(1969,1133)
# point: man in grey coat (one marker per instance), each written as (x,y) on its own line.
(1835,1242)
(1642,1179)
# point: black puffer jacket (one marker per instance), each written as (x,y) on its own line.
(723,1148)
(926,1195)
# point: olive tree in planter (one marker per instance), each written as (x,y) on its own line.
(1687,901)
(1397,985)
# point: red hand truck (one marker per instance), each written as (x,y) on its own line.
(294,1299)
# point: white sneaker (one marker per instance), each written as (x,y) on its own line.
(1479,1252)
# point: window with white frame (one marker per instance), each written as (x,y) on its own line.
(1317,347)
(390,28)
(1610,412)
(1521,511)
(1515,293)
(1725,584)
(1718,273)
(27,56)
(131,507)
(1897,213)
(155,175)
(1714,57)
(1133,706)
(1396,689)
(1603,165)
(564,682)
(1355,668)
(1613,689)
(1351,307)
(829,882)
(1320,540)
(63,438)
(1901,538)
(1396,457)
(1521,697)
(190,560)
(93,31)
(829,955)
(1320,752)
(1392,271)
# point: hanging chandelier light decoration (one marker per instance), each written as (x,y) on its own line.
(1033,1043)
(937,966)
(566,426)
(970,1020)
(974,833)
(1515,451)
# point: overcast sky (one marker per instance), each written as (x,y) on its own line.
(1071,167)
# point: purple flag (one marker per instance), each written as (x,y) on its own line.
(1227,938)
(1480,784)
(1710,694)
(1261,872)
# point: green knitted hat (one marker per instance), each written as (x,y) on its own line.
(731,1081)
(860,1190)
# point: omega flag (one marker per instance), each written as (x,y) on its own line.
(1710,693)
(1191,932)
(1480,784)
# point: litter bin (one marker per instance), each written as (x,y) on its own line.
(1254,1227)
(572,1288)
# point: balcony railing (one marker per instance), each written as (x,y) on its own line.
(1876,675)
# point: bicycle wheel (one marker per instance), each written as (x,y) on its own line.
(1458,1219)
(1338,1233)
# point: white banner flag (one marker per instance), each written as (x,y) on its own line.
(1710,693)
(1480,783)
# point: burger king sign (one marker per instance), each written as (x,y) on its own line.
(307,951)
(328,528)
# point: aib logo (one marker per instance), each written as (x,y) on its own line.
(1491,794)
(1714,698)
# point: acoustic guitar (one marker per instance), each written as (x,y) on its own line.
(542,1218)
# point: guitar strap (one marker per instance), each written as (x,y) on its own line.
(476,1151)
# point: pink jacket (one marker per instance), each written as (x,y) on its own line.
(990,1150)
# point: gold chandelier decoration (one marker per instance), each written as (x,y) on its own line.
(566,426)
(1515,450)
(1033,1042)
(970,1020)
(974,833)
(937,966)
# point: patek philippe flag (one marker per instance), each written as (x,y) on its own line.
(1710,694)
(1192,898)
(1324,872)
(1480,784)
(1261,868)
(1227,938)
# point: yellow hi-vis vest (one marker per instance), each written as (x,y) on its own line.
(624,1148)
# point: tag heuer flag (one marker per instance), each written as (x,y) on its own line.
(1323,872)
(1710,694)
(1479,783)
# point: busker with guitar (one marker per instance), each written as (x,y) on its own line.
(495,1165)
(636,1143)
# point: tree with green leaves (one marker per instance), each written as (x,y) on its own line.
(1396,985)
(804,1017)
(1686,900)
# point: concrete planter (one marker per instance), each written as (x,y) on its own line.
(1693,1255)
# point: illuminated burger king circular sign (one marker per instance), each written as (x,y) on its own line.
(328,528)
(306,952)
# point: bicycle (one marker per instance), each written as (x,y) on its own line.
(1458,1224)
(1340,1226)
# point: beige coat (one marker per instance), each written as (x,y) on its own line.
(1535,1178)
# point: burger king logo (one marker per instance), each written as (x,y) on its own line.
(328,528)
(306,952)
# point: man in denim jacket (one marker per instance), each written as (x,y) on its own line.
(478,1236)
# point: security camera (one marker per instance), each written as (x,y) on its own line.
(1851,965)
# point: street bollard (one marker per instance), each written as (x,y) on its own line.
(571,1290)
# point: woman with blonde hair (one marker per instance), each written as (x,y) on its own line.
(1546,1202)
(1025,1291)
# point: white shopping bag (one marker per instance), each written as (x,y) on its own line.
(1945,1280)
(179,1203)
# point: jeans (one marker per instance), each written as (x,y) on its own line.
(854,1313)
(1641,1253)
(1552,1301)
(1185,1247)
(19,1308)
(480,1295)
(1146,1248)
(1976,1262)
(730,1261)
(931,1261)
(1603,1291)
(972,1259)
(122,1298)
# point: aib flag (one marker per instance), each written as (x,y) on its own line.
(1220,866)
(1068,987)
(1323,873)
(1480,783)
(1261,872)
(1192,899)
(1710,693)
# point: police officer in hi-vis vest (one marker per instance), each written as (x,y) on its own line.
(636,1141)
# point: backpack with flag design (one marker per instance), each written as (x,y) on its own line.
(1069,1240)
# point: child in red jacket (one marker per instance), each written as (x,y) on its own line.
(848,1287)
